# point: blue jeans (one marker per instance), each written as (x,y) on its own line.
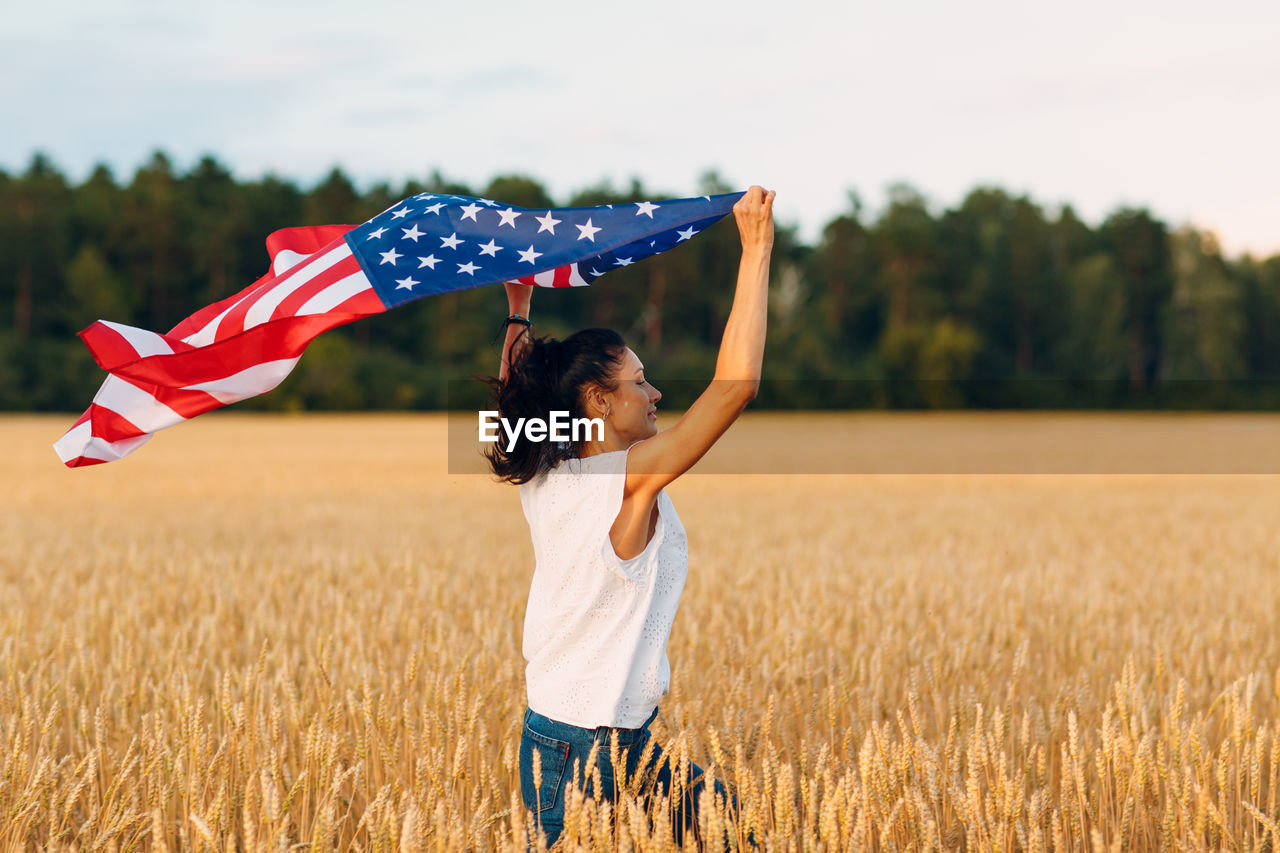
(561,746)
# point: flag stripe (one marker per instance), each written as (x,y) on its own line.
(294,300)
(336,293)
(363,303)
(279,339)
(250,382)
(264,309)
(145,412)
(270,294)
(80,447)
(565,276)
(140,341)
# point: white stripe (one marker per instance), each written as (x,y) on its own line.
(81,442)
(144,343)
(209,333)
(261,311)
(271,294)
(249,382)
(546,279)
(286,259)
(335,294)
(135,405)
(576,279)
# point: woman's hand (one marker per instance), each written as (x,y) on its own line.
(754,213)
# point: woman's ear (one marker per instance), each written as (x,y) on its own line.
(597,405)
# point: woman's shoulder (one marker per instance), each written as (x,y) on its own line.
(590,479)
(612,462)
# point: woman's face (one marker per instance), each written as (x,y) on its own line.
(633,404)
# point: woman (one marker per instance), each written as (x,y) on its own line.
(611,554)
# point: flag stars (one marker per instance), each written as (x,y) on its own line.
(587,232)
(412,233)
(488,202)
(401,213)
(390,257)
(468,268)
(529,255)
(646,208)
(450,242)
(406,283)
(377,234)
(491,249)
(686,234)
(547,223)
(507,217)
(623,262)
(428,261)
(469,211)
(434,208)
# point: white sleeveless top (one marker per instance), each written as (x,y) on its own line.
(596,629)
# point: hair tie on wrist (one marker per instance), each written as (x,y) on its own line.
(516,318)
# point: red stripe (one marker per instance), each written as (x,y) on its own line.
(201,318)
(110,425)
(85,461)
(233,323)
(272,341)
(291,303)
(304,241)
(186,402)
(561,277)
(108,346)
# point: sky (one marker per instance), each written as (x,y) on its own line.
(1169,105)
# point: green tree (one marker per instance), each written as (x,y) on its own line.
(335,201)
(216,228)
(38,218)
(1206,324)
(907,259)
(1093,346)
(153,246)
(848,309)
(1140,245)
(1260,305)
(94,291)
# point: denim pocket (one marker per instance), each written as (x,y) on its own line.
(554,756)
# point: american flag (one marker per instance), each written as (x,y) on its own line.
(325,276)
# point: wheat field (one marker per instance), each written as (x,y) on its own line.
(287,633)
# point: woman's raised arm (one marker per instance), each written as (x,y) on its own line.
(518,299)
(656,461)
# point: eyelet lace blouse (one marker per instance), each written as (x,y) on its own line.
(596,628)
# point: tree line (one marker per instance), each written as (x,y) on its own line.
(996,302)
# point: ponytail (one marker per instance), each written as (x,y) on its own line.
(548,375)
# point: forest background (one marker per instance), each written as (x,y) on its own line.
(996,302)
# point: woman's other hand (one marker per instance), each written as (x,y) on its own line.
(754,213)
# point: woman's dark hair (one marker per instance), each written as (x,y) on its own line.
(546,375)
